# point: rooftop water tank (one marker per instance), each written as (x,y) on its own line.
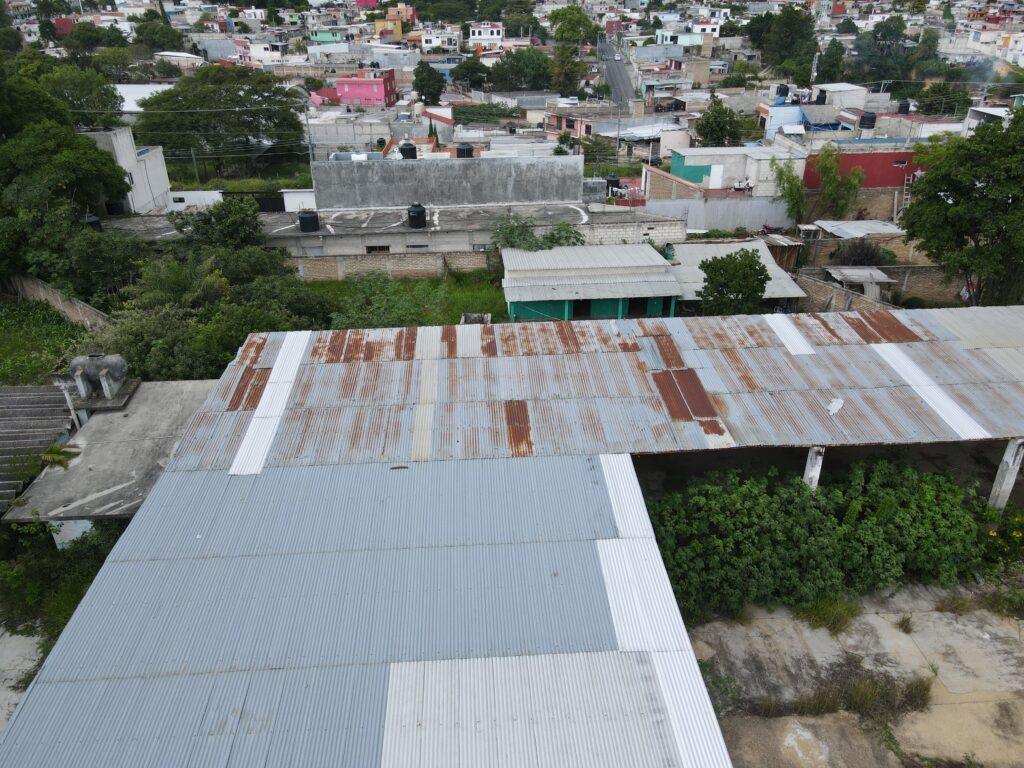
(782,90)
(464,150)
(408,150)
(309,221)
(417,216)
(903,108)
(867,120)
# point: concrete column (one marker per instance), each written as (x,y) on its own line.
(812,469)
(1007,474)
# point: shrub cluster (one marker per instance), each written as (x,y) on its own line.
(730,540)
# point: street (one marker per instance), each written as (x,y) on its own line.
(616,73)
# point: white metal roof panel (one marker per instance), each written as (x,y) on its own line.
(689,255)
(573,257)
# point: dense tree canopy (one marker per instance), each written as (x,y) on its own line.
(523,69)
(567,70)
(158,36)
(572,25)
(733,284)
(719,126)
(471,73)
(967,210)
(830,65)
(943,99)
(222,111)
(428,83)
(93,101)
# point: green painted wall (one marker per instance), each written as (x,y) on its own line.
(526,311)
(692,173)
(539,310)
(605,308)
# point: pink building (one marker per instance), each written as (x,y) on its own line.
(368,88)
(366,3)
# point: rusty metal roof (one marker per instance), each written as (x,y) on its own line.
(637,386)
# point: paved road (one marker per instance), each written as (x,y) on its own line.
(616,73)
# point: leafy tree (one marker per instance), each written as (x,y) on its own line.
(729,28)
(967,212)
(158,36)
(222,110)
(567,70)
(757,29)
(836,191)
(428,83)
(890,31)
(733,284)
(830,65)
(519,232)
(943,99)
(847,27)
(93,101)
(10,38)
(719,126)
(791,36)
(87,37)
(526,68)
(524,25)
(233,222)
(23,102)
(572,25)
(113,63)
(471,72)
(164,68)
(790,190)
(733,81)
(273,17)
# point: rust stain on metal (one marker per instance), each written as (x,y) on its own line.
(567,336)
(741,370)
(671,396)
(694,394)
(828,328)
(867,334)
(335,347)
(240,389)
(517,420)
(889,327)
(316,354)
(669,352)
(527,342)
(249,389)
(449,341)
(373,350)
(712,426)
(509,339)
(353,347)
(405,344)
(252,349)
(488,346)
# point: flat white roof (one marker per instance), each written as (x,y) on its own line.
(690,276)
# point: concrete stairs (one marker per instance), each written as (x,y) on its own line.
(31,420)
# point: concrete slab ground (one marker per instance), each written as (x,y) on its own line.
(976,661)
(121,455)
(18,655)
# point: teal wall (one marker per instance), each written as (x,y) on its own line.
(692,173)
(539,310)
(525,311)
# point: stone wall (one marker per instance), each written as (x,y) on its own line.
(818,252)
(75,311)
(454,181)
(398,265)
(871,203)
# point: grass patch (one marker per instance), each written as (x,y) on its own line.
(1005,602)
(377,301)
(483,113)
(33,336)
(954,603)
(905,623)
(833,613)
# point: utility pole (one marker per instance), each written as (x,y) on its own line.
(195,165)
(309,138)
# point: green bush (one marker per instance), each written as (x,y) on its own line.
(32,339)
(729,540)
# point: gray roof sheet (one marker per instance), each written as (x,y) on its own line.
(690,254)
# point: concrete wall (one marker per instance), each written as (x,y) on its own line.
(78,312)
(870,203)
(831,297)
(819,252)
(298,199)
(751,212)
(466,181)
(193,198)
(927,283)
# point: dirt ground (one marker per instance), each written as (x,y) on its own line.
(975,661)
(18,655)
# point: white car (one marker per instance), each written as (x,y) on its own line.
(618,57)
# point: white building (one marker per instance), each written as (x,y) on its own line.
(486,34)
(146,171)
(448,39)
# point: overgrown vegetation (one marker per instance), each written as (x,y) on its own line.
(733,284)
(729,540)
(520,232)
(483,113)
(41,585)
(32,339)
(377,301)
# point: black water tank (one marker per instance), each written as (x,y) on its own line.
(512,130)
(407,150)
(464,150)
(782,90)
(820,99)
(612,183)
(903,108)
(867,120)
(92,222)
(114,207)
(309,221)
(417,216)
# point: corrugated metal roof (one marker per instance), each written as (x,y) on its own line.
(690,254)
(551,287)
(579,388)
(859,275)
(575,257)
(859,228)
(377,614)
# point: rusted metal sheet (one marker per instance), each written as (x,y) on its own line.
(449,342)
(694,394)
(517,419)
(668,388)
(669,351)
(249,355)
(488,344)
(249,389)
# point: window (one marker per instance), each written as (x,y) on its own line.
(178,199)
(637,307)
(899,163)
(586,130)
(416,246)
(378,249)
(581,309)
(570,123)
(482,247)
(131,179)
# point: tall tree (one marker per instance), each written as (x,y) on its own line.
(943,99)
(572,25)
(10,38)
(526,68)
(93,101)
(830,65)
(733,284)
(222,111)
(719,126)
(836,190)
(158,36)
(471,73)
(567,70)
(428,83)
(967,210)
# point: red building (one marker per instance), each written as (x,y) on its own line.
(881,168)
(367,88)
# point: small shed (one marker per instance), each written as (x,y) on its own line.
(588,281)
(870,281)
(690,254)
